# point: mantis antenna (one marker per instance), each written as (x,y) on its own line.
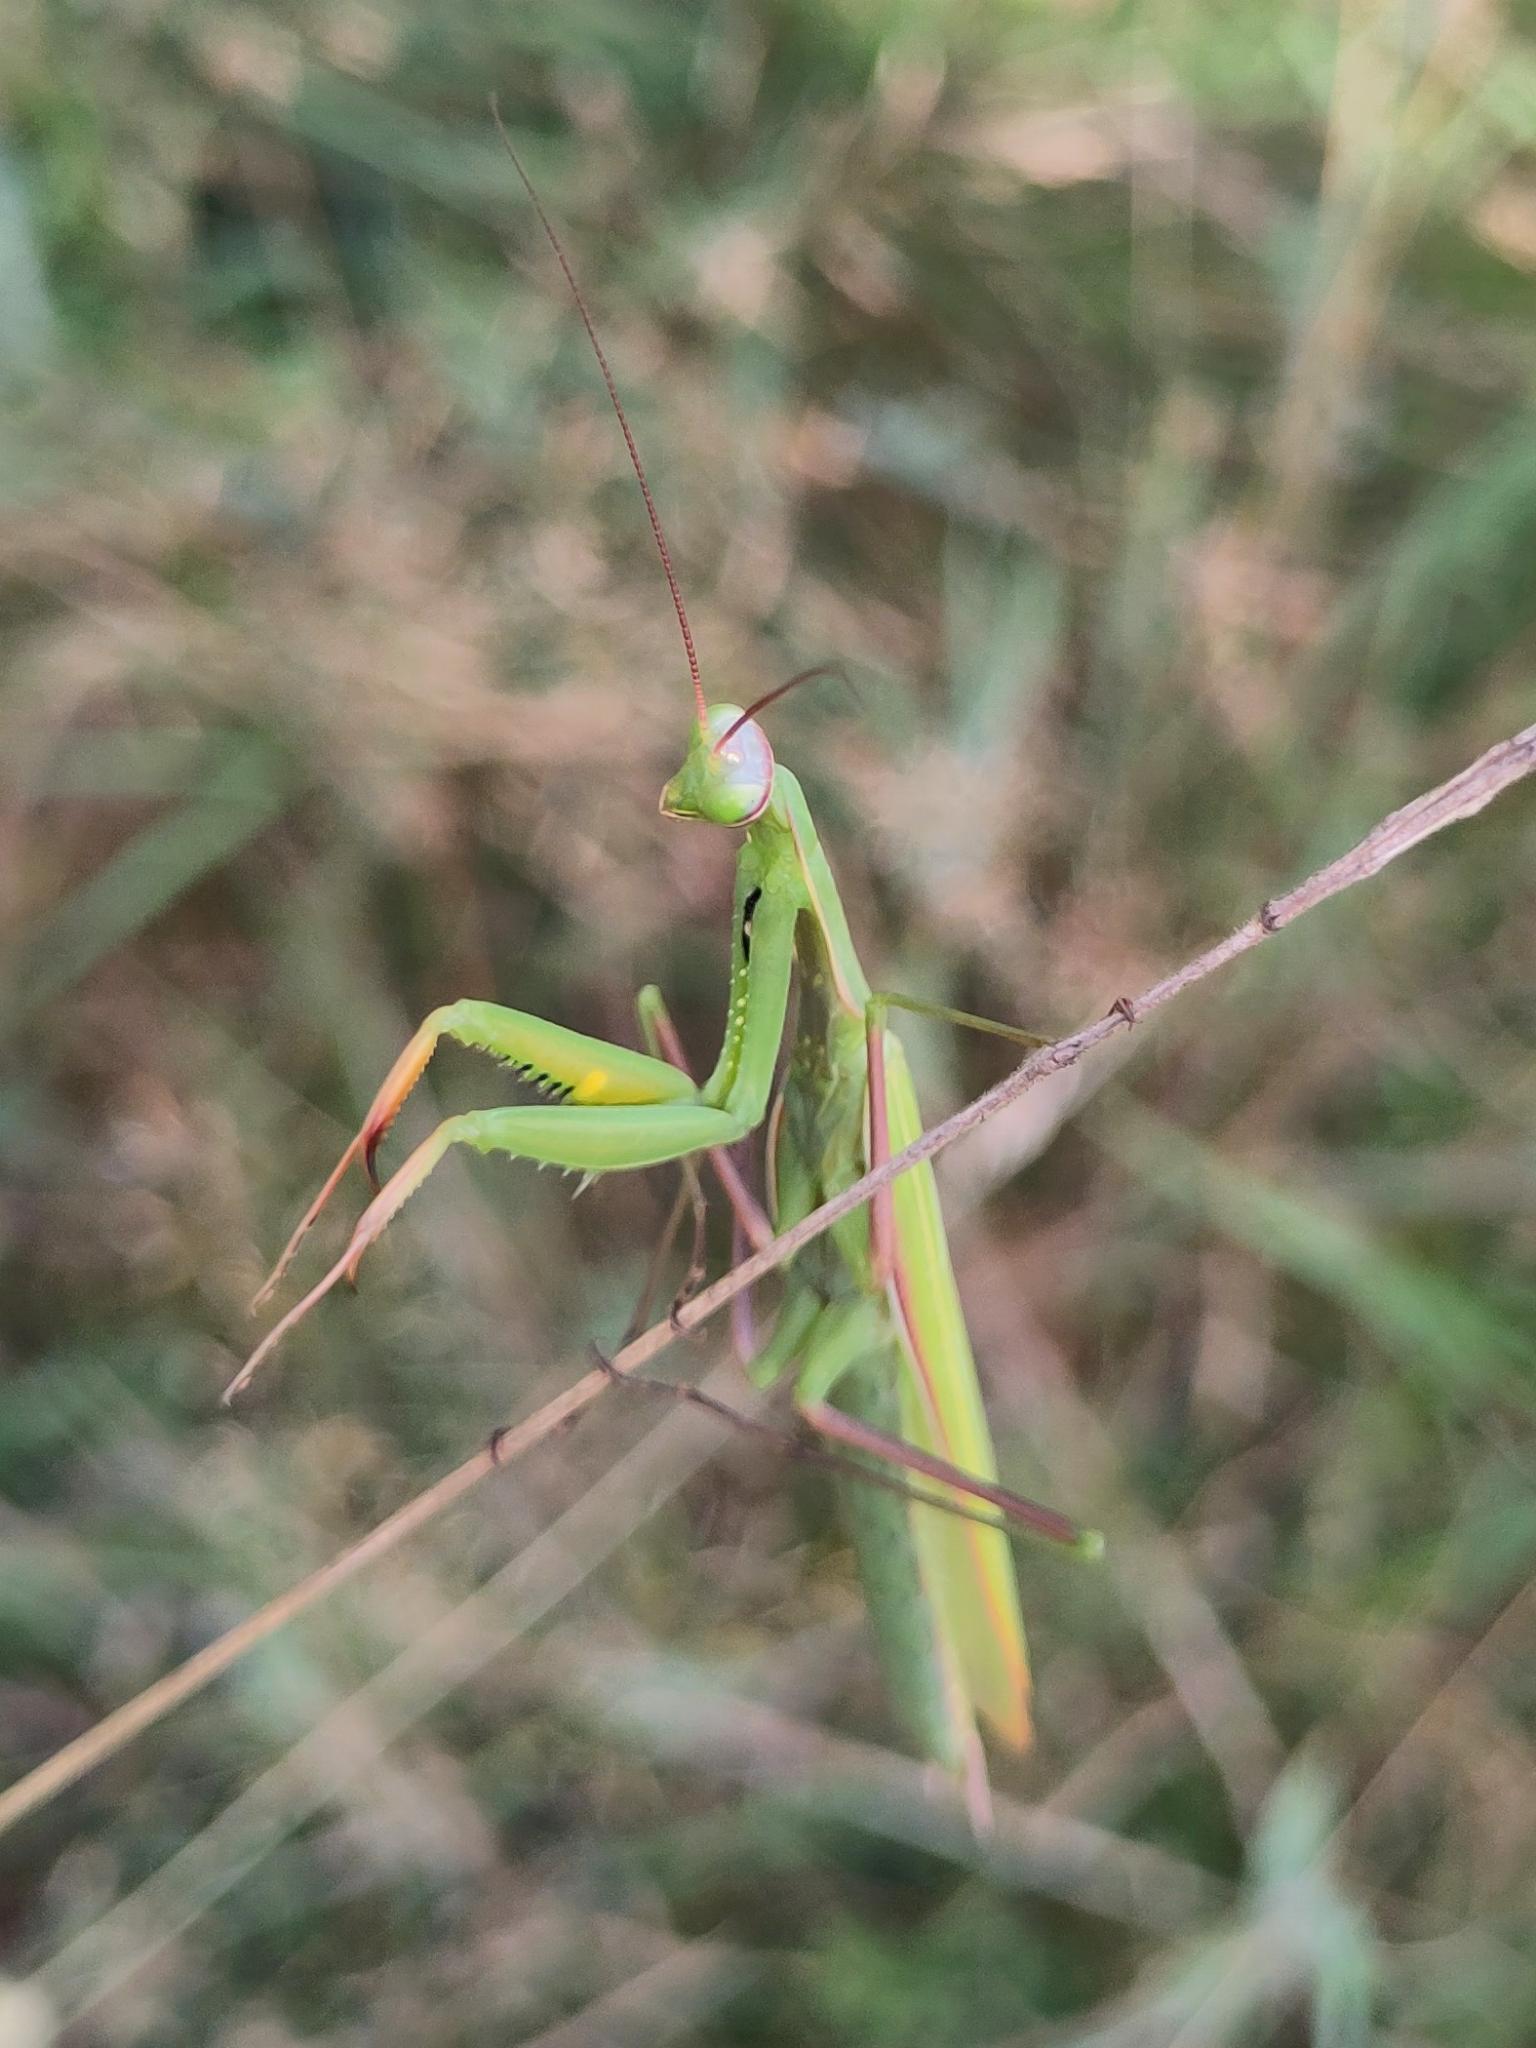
(618,406)
(806,675)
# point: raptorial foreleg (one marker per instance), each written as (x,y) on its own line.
(583,1070)
(582,1140)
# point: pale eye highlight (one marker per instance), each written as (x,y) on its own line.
(742,768)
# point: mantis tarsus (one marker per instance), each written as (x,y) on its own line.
(870,1314)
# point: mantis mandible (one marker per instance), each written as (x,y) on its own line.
(870,1323)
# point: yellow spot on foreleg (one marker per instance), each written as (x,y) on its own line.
(590,1087)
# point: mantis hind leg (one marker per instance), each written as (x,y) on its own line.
(584,1070)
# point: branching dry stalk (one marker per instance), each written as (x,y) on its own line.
(1461,797)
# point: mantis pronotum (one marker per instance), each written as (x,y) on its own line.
(870,1323)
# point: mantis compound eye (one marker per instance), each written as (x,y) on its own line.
(727,778)
(743,767)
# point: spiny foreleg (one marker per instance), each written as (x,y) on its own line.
(567,1063)
(596,1140)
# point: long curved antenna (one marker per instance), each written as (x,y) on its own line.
(806,675)
(618,405)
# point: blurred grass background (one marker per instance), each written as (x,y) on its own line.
(1137,400)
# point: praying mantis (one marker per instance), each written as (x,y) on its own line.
(870,1323)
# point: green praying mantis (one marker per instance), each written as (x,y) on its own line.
(870,1323)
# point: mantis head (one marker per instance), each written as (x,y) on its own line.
(727,778)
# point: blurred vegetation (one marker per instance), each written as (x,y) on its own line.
(1137,400)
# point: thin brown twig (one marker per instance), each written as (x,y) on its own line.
(1447,804)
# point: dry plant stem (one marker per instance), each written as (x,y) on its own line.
(1461,797)
(338,1764)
